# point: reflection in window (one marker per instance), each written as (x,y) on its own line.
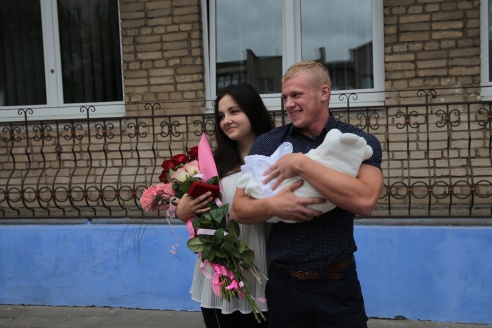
(339,37)
(249,43)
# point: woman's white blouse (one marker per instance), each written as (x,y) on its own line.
(255,237)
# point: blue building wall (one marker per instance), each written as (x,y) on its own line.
(421,273)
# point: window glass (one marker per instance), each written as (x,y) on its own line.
(341,38)
(489,29)
(249,43)
(256,41)
(22,70)
(90,50)
(58,54)
(485,50)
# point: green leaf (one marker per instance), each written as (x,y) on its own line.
(248,256)
(185,186)
(195,244)
(219,236)
(206,251)
(236,254)
(203,222)
(193,179)
(220,254)
(211,255)
(245,265)
(213,180)
(219,215)
(227,246)
(241,246)
(233,228)
(207,239)
(230,238)
(231,264)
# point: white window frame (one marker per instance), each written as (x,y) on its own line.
(485,83)
(55,107)
(291,24)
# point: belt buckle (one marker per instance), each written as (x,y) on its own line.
(305,275)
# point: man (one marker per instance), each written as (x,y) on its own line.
(312,278)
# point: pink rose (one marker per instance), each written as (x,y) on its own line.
(180,175)
(192,168)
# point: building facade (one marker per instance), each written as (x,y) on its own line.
(95,95)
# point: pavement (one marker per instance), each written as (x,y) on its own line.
(15,316)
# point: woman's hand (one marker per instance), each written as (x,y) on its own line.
(189,206)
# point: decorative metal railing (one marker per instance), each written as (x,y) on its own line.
(437,159)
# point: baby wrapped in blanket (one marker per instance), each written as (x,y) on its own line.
(342,152)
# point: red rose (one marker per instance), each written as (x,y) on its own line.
(180,159)
(163,177)
(168,164)
(193,153)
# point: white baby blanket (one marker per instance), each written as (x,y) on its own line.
(342,152)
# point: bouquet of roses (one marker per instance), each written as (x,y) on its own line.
(178,173)
(212,234)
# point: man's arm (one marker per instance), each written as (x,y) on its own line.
(285,205)
(358,195)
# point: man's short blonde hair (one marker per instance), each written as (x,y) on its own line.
(317,73)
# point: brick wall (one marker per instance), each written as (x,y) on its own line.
(428,44)
(162,55)
(432,44)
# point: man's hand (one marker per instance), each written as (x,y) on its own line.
(285,205)
(283,169)
(291,207)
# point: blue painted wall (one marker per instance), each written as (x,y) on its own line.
(421,273)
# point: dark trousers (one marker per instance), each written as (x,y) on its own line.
(322,303)
(214,318)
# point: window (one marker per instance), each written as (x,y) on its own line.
(257,40)
(59,55)
(486,54)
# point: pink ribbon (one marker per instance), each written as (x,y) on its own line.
(218,279)
(221,271)
(209,232)
(189,226)
(233,285)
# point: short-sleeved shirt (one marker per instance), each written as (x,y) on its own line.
(327,239)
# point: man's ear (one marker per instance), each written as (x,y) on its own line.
(325,93)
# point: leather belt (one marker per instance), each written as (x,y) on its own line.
(329,273)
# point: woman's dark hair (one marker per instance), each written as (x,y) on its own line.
(226,154)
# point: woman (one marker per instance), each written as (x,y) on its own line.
(240,117)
